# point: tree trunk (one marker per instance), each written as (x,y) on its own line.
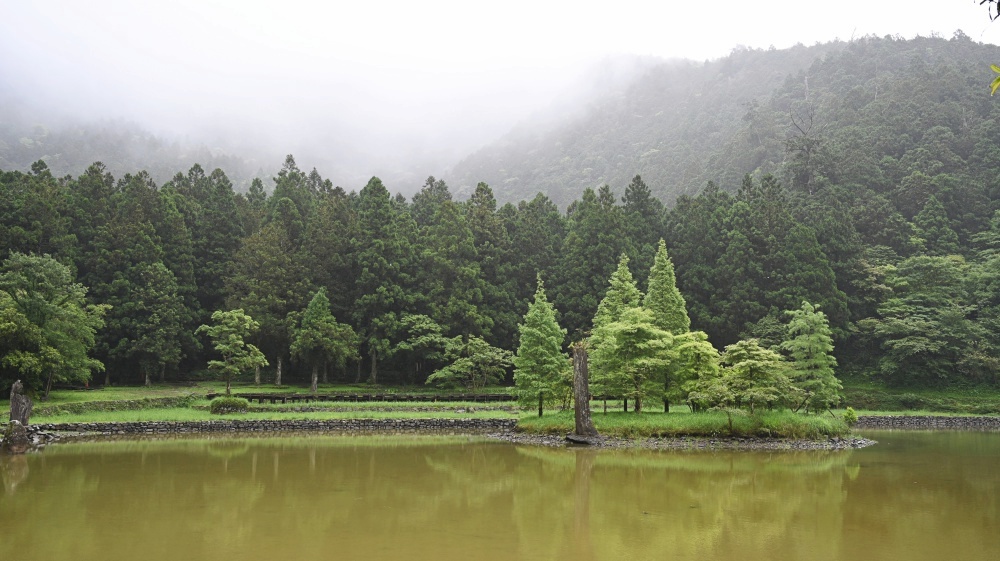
(357,374)
(666,405)
(20,404)
(48,386)
(256,375)
(107,377)
(228,379)
(315,378)
(638,404)
(373,376)
(277,373)
(163,373)
(541,401)
(326,369)
(146,381)
(625,404)
(581,392)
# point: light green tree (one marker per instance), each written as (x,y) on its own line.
(663,298)
(474,364)
(540,364)
(810,346)
(319,340)
(755,376)
(633,357)
(622,294)
(692,357)
(46,327)
(227,333)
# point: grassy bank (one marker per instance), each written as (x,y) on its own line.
(878,399)
(772,424)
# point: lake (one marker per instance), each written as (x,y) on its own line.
(913,496)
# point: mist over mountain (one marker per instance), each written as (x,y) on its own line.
(348,145)
(683,124)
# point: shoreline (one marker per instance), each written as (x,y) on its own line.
(502,430)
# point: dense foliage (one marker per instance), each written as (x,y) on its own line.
(869,190)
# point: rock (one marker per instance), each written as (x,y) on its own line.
(578,439)
(15,439)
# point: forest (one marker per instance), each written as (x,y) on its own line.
(867,188)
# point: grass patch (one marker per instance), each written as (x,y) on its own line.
(772,424)
(873,398)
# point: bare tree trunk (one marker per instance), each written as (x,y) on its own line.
(581,392)
(48,386)
(541,402)
(256,375)
(315,378)
(163,373)
(277,374)
(326,369)
(625,404)
(357,375)
(373,376)
(146,381)
(20,404)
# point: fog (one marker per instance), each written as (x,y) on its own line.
(396,89)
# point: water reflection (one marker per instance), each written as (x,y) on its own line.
(924,496)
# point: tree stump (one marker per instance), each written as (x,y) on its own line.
(581,392)
(20,404)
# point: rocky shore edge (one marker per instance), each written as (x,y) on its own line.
(503,430)
(497,429)
(684,442)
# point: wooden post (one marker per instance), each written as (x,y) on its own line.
(581,392)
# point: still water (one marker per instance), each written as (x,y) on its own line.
(914,496)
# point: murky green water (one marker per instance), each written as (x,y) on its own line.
(915,496)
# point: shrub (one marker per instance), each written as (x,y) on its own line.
(912,401)
(850,417)
(223,405)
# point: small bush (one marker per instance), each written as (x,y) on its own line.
(911,401)
(850,417)
(224,405)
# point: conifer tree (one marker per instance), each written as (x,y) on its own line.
(540,363)
(810,346)
(622,294)
(320,340)
(663,298)
(632,357)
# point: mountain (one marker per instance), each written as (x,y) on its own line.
(842,111)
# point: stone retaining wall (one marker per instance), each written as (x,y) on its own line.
(927,422)
(346,425)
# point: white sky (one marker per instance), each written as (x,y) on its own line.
(424,72)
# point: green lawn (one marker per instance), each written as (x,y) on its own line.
(778,424)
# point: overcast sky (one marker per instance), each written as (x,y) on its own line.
(431,79)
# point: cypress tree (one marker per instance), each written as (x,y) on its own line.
(540,364)
(810,346)
(663,298)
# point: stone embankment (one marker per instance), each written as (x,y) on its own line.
(345,425)
(927,422)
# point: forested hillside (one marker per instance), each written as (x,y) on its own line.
(69,146)
(879,209)
(838,109)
